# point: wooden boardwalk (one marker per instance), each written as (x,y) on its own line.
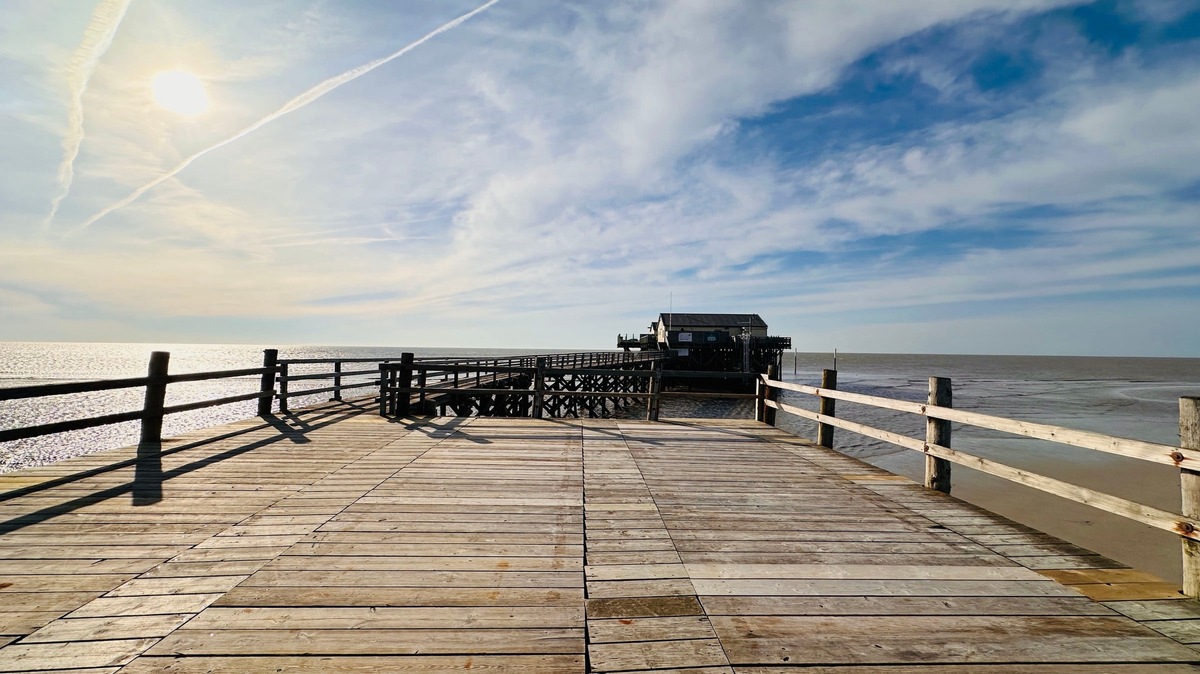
(339,541)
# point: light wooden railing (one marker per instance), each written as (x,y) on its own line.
(936,447)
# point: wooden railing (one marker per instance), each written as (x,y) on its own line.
(517,386)
(154,407)
(939,413)
(349,374)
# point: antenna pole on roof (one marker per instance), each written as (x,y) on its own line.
(670,311)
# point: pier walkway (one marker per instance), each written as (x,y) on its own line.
(335,540)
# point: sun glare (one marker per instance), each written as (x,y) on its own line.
(180,92)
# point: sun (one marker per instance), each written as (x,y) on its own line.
(180,92)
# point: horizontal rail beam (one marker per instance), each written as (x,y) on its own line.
(224,374)
(328,375)
(1135,449)
(17,392)
(201,404)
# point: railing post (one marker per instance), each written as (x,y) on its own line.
(156,396)
(403,386)
(337,380)
(772,394)
(385,385)
(283,388)
(267,387)
(1189,483)
(422,379)
(539,388)
(937,432)
(827,408)
(760,396)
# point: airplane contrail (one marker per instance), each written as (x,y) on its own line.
(291,106)
(97,38)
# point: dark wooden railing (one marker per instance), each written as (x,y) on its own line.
(153,410)
(936,446)
(518,386)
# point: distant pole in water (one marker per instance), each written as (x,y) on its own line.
(835,359)
(795,361)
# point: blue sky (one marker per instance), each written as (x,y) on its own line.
(944,176)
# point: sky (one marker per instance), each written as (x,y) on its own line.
(942,176)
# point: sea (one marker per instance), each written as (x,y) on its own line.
(1127,397)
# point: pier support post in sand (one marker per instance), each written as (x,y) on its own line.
(1189,483)
(937,432)
(827,408)
(539,387)
(267,387)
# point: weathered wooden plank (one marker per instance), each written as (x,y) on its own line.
(862,572)
(902,605)
(1169,609)
(854,587)
(370,642)
(31,657)
(643,607)
(418,664)
(118,627)
(399,596)
(877,640)
(657,655)
(144,605)
(649,629)
(372,617)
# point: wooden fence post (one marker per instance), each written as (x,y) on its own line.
(156,396)
(760,395)
(270,360)
(772,395)
(403,386)
(937,432)
(337,380)
(283,388)
(1189,483)
(828,407)
(539,387)
(385,384)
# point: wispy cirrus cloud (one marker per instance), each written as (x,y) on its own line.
(293,105)
(97,38)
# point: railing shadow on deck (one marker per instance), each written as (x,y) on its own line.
(146,487)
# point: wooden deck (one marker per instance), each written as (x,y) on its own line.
(340,541)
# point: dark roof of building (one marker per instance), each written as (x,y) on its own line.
(713,320)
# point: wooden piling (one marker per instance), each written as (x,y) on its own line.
(337,380)
(937,432)
(267,386)
(156,396)
(1189,483)
(827,408)
(539,387)
(772,394)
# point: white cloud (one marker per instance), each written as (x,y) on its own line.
(588,155)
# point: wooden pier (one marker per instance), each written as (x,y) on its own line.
(337,540)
